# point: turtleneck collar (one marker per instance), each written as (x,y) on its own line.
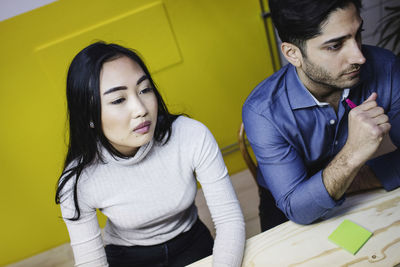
(139,156)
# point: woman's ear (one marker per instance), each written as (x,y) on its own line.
(292,54)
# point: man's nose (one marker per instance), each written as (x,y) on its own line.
(355,54)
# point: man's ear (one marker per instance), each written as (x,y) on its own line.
(292,54)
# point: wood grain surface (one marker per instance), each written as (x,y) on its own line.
(290,244)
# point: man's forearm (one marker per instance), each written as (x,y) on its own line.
(364,180)
(339,173)
(367,127)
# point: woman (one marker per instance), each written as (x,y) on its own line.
(137,163)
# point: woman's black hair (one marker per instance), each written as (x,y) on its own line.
(300,20)
(84,113)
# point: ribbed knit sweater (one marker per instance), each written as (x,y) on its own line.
(149,199)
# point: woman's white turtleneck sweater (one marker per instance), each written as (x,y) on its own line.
(149,198)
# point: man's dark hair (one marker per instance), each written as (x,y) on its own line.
(300,20)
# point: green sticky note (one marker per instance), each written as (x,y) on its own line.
(350,236)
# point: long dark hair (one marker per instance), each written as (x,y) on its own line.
(84,113)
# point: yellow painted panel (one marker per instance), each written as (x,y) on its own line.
(145,28)
(206,57)
(225,56)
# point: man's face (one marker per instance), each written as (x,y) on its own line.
(334,57)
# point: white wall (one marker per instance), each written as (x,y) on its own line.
(372,12)
(11,8)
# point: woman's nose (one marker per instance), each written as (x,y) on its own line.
(138,109)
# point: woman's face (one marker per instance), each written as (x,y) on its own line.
(128,105)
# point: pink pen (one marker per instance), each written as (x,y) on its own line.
(350,103)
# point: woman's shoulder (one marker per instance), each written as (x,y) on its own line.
(183,123)
(191,133)
(68,176)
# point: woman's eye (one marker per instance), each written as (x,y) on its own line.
(146,90)
(118,101)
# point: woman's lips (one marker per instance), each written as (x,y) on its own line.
(143,127)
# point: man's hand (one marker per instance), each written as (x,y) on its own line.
(385,147)
(368,124)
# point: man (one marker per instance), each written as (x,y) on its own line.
(311,147)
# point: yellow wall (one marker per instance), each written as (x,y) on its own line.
(206,57)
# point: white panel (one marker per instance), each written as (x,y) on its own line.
(12,8)
(370,3)
(371,18)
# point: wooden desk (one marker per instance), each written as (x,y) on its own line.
(290,244)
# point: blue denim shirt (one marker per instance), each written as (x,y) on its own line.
(294,138)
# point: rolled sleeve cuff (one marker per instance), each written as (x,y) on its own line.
(321,195)
(387,169)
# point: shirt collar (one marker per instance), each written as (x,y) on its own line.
(297,98)
(345,94)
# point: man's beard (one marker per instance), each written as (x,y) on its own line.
(320,76)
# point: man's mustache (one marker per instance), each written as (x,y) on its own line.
(354,67)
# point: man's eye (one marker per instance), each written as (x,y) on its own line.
(334,47)
(146,90)
(118,101)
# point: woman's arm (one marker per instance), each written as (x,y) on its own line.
(85,234)
(221,199)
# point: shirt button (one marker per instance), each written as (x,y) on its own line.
(332,122)
(336,143)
